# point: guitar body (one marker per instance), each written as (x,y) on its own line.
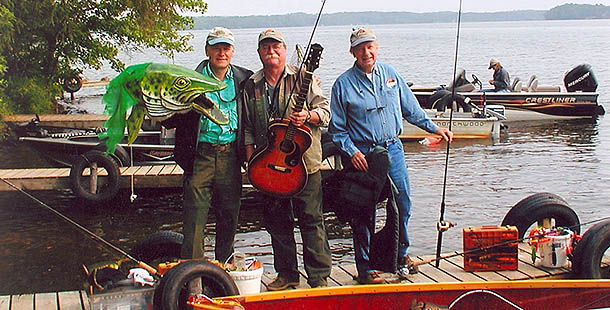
(278,169)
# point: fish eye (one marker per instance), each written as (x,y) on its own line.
(181,83)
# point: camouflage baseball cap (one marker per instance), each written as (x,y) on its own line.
(220,35)
(271,34)
(361,35)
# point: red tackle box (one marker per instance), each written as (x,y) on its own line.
(489,248)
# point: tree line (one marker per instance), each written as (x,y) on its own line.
(566,11)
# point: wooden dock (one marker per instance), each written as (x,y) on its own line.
(157,176)
(450,270)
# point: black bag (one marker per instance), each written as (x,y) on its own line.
(350,190)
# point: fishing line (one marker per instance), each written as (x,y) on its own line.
(439,238)
(315,26)
(142,264)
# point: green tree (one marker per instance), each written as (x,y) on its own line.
(55,39)
(6,22)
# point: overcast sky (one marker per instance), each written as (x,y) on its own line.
(271,7)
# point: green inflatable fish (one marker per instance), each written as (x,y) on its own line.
(159,91)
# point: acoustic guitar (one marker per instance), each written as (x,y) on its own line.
(278,168)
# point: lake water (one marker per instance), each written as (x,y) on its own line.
(40,252)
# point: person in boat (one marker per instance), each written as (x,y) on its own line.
(501,79)
(368,103)
(211,155)
(266,96)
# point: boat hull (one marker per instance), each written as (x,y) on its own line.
(532,105)
(533,294)
(463,126)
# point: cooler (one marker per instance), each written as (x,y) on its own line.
(489,248)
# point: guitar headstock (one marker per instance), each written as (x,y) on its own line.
(313,59)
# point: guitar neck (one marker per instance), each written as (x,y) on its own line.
(303,91)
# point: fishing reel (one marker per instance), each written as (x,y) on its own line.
(444,225)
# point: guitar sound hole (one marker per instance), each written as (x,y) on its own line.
(286,146)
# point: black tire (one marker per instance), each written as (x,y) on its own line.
(120,154)
(107,189)
(72,83)
(215,281)
(589,251)
(162,245)
(539,206)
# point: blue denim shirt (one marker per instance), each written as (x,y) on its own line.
(367,113)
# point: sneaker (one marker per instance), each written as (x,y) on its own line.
(371,277)
(406,266)
(281,283)
(413,269)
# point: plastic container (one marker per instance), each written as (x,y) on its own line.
(554,252)
(249,281)
(490,248)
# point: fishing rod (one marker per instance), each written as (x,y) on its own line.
(140,263)
(442,225)
(307,49)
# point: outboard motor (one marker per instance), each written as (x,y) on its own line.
(581,78)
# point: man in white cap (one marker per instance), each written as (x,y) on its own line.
(211,155)
(368,103)
(267,96)
(501,79)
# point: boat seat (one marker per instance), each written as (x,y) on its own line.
(465,88)
(517,87)
(543,88)
(530,81)
(513,86)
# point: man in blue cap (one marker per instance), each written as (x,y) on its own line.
(368,102)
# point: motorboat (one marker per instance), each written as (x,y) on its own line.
(62,146)
(577,98)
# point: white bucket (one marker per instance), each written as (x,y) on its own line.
(554,253)
(249,281)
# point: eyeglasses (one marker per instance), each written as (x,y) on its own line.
(271,46)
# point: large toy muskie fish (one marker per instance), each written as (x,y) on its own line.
(159,91)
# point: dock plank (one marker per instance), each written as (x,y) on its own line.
(154,171)
(69,300)
(455,271)
(485,275)
(142,171)
(340,277)
(130,171)
(8,173)
(434,273)
(45,301)
(167,169)
(22,302)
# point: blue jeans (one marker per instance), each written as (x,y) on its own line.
(400,178)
